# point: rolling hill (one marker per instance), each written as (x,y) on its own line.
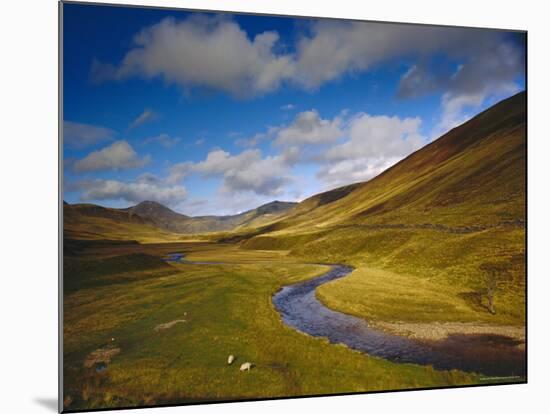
(169,220)
(152,218)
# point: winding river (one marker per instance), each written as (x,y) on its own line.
(491,355)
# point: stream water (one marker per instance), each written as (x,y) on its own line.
(492,355)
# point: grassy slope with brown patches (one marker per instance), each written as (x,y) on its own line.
(431,221)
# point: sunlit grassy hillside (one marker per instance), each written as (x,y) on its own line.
(437,220)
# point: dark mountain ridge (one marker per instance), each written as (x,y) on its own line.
(160,216)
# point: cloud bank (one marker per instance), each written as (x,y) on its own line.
(244,172)
(215,52)
(464,67)
(344,149)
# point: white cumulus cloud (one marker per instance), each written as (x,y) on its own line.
(248,171)
(143,188)
(118,156)
(211,52)
(373,144)
(309,128)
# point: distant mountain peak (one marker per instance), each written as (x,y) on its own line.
(151,203)
(275,207)
(154,210)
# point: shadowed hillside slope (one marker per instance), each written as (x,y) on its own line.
(89,221)
(149,218)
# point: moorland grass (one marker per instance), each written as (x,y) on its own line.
(228,310)
(415,275)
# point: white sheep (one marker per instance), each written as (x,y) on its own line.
(230,359)
(246,366)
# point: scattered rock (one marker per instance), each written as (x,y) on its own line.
(101,355)
(440,330)
(168,325)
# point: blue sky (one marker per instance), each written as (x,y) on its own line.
(217,114)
